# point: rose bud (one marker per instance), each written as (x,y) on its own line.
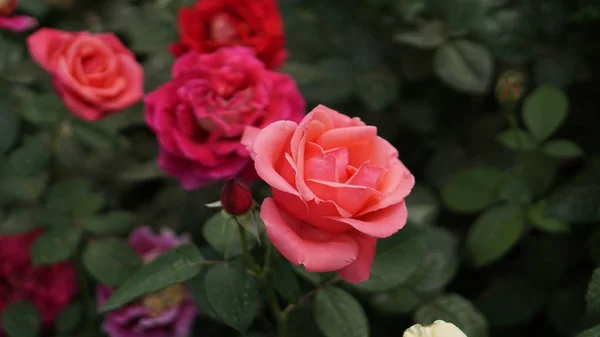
(236,197)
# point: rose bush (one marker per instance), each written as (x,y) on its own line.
(49,288)
(337,187)
(94,74)
(199,116)
(167,313)
(213,24)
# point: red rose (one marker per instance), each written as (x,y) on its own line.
(50,288)
(94,74)
(200,115)
(212,24)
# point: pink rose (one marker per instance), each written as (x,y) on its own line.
(337,188)
(95,74)
(15,23)
(200,115)
(167,313)
(50,288)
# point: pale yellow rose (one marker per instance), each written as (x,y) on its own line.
(439,328)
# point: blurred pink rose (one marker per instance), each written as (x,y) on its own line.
(200,115)
(49,288)
(337,188)
(16,23)
(167,313)
(94,74)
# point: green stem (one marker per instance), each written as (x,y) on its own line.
(264,274)
(244,240)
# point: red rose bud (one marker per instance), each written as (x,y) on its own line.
(236,197)
(7,7)
(510,87)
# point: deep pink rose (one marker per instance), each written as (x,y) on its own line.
(50,288)
(167,313)
(337,188)
(15,23)
(94,74)
(200,115)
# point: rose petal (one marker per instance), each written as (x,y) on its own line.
(382,223)
(304,244)
(18,23)
(269,146)
(44,44)
(360,270)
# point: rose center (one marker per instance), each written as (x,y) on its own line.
(164,300)
(222,29)
(93,64)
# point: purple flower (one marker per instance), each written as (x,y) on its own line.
(167,313)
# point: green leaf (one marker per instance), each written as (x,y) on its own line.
(69,317)
(233,295)
(429,35)
(544,111)
(197,290)
(45,109)
(494,233)
(591,332)
(68,150)
(510,301)
(458,17)
(32,157)
(422,204)
(575,204)
(10,125)
(592,297)
(21,220)
(540,220)
(472,190)
(37,8)
(398,258)
(285,282)
(314,278)
(440,264)
(95,136)
(223,235)
(401,300)
(377,88)
(173,266)
(562,149)
(18,187)
(507,32)
(11,53)
(517,139)
(21,319)
(464,65)
(74,196)
(537,170)
(515,190)
(111,222)
(55,245)
(110,261)
(335,82)
(338,314)
(410,10)
(456,309)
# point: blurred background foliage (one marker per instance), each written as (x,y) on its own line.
(492,105)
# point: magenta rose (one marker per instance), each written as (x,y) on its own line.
(200,115)
(167,313)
